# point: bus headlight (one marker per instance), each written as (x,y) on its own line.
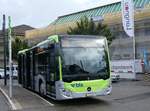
(108,90)
(66,93)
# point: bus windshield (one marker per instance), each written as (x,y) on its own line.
(84,59)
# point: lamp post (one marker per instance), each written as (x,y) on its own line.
(10,58)
(4,39)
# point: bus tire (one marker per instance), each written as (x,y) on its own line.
(41,89)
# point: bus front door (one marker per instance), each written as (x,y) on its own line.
(51,76)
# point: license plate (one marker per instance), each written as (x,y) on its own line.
(89,94)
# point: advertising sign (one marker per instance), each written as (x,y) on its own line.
(128,17)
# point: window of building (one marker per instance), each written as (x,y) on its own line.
(123,34)
(147,32)
(116,57)
(138,56)
(126,55)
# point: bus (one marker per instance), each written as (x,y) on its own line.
(66,67)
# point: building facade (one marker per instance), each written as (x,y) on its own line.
(122,46)
(17,31)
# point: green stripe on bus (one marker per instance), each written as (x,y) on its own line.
(81,86)
(54,38)
(60,68)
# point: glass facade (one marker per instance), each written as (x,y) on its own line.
(122,48)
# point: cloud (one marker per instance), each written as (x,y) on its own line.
(40,13)
(82,1)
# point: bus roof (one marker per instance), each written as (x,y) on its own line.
(55,38)
(23,51)
(50,38)
(84,36)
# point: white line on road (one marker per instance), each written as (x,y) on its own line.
(9,100)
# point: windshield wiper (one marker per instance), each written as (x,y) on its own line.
(68,79)
(101,71)
(75,77)
(105,76)
(81,64)
(76,68)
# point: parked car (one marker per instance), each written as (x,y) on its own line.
(1,73)
(14,71)
(115,77)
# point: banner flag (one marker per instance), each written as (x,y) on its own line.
(128,17)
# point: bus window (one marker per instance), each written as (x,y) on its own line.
(52,66)
(41,64)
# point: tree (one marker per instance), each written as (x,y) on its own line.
(17,45)
(88,27)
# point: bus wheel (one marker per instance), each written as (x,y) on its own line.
(41,89)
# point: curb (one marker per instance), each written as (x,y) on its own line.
(39,97)
(17,106)
(13,107)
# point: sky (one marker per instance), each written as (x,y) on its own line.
(40,13)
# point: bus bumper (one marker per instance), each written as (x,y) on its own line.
(63,94)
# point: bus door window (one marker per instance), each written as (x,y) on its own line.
(28,77)
(19,69)
(41,64)
(23,70)
(51,70)
(52,63)
(31,69)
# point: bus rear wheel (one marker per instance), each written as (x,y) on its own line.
(41,89)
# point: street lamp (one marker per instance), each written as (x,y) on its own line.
(10,59)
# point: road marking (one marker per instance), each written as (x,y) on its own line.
(9,100)
(40,97)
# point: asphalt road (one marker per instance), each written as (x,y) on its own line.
(4,106)
(126,96)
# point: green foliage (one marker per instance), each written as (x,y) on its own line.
(17,45)
(88,27)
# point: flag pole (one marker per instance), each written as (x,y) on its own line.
(10,58)
(4,39)
(134,56)
(134,41)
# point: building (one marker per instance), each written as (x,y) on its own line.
(110,14)
(17,31)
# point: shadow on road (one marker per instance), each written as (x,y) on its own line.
(79,102)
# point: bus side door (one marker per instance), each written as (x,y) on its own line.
(50,86)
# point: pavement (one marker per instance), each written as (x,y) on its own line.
(24,99)
(4,105)
(126,96)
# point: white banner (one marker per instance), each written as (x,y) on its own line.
(125,68)
(128,17)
